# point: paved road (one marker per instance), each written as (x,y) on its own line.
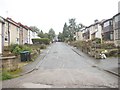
(63,68)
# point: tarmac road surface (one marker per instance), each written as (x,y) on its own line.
(63,68)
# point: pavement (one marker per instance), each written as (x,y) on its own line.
(110,64)
(33,65)
(61,66)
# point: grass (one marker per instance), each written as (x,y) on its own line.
(10,74)
(5,75)
(21,64)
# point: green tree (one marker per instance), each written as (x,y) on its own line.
(46,35)
(34,29)
(72,28)
(41,34)
(65,31)
(51,34)
(60,36)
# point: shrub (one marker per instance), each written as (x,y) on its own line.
(113,52)
(12,47)
(42,46)
(26,48)
(108,45)
(41,41)
(97,40)
(16,49)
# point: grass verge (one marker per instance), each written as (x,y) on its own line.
(10,74)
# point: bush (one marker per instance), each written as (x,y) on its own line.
(113,52)
(41,41)
(16,49)
(108,45)
(42,46)
(12,47)
(26,48)
(97,40)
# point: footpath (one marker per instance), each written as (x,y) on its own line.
(35,64)
(110,64)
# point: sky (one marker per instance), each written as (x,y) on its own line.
(46,14)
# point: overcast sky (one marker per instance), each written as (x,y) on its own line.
(46,14)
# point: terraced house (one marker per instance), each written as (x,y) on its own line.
(1,34)
(107,30)
(95,31)
(23,34)
(116,28)
(31,35)
(79,35)
(11,33)
(86,34)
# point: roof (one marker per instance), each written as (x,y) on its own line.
(12,21)
(106,20)
(1,19)
(116,15)
(23,25)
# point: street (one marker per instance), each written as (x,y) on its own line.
(64,68)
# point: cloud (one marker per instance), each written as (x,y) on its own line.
(47,14)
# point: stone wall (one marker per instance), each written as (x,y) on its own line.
(9,63)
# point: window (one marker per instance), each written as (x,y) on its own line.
(106,24)
(6,38)
(116,34)
(111,23)
(116,19)
(119,34)
(111,36)
(17,40)
(16,28)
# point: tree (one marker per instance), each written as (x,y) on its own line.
(69,31)
(34,29)
(41,34)
(60,36)
(72,28)
(46,35)
(51,34)
(65,31)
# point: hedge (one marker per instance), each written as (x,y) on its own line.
(41,41)
(16,49)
